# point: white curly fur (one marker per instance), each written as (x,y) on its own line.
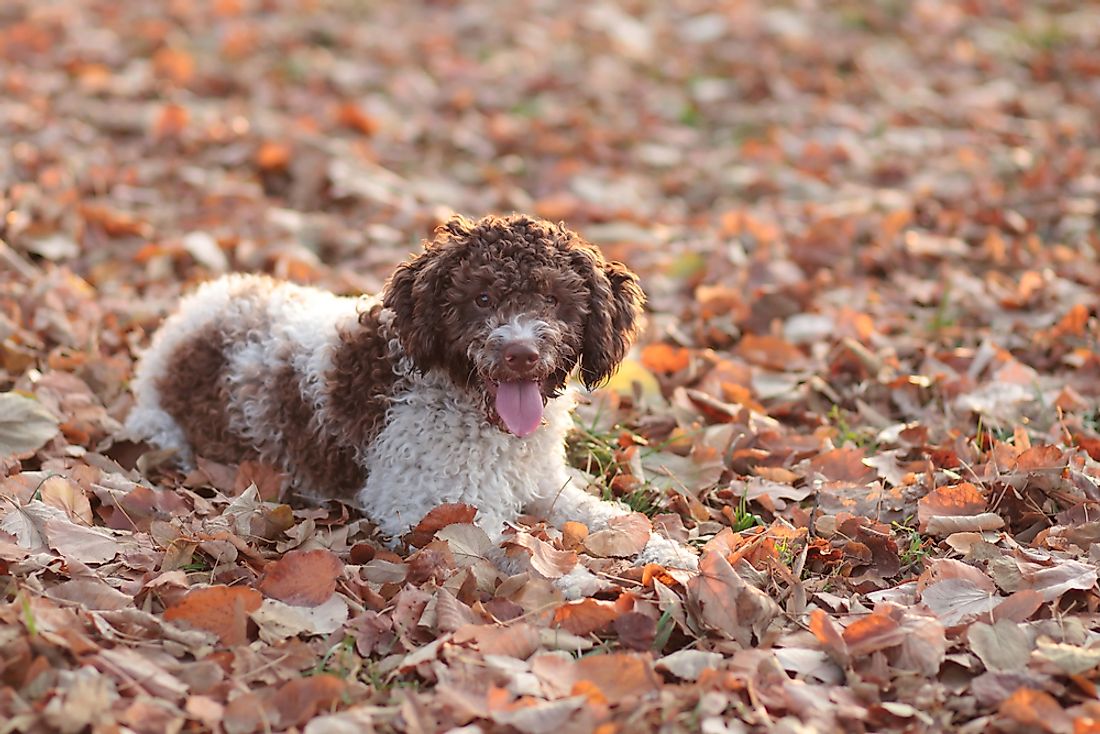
(435,444)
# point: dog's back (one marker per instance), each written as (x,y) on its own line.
(249,367)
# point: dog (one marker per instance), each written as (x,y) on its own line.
(451,386)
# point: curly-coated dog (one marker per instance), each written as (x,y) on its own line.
(449,387)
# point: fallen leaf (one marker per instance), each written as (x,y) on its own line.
(88,545)
(618,677)
(624,536)
(547,560)
(299,700)
(222,610)
(689,664)
(1037,709)
(439,518)
(277,620)
(469,543)
(585,616)
(724,602)
(25,426)
(302,578)
(515,640)
(67,495)
(1002,646)
(956,601)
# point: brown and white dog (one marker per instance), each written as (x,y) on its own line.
(449,387)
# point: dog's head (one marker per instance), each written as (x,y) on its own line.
(509,306)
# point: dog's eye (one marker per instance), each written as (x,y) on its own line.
(552,300)
(483,300)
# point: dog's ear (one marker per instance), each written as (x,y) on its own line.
(415,294)
(615,302)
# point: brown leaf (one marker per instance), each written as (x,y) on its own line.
(25,426)
(1001,647)
(1042,458)
(573,535)
(624,537)
(1053,581)
(545,558)
(515,640)
(956,601)
(942,525)
(88,545)
(959,499)
(67,495)
(1037,709)
(771,352)
(618,677)
(843,465)
(830,636)
(724,602)
(635,630)
(585,616)
(1019,606)
(300,699)
(350,115)
(302,578)
(222,610)
(439,518)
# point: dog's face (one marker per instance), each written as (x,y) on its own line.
(509,306)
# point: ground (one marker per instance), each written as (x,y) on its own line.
(867,391)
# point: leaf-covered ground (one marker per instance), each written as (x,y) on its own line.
(868,392)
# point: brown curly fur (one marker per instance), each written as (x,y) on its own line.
(518,262)
(195,392)
(361,379)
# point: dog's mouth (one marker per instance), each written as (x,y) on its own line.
(519,404)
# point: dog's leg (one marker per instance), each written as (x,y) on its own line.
(573,503)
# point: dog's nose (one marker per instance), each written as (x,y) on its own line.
(519,356)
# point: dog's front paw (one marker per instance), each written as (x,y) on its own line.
(668,553)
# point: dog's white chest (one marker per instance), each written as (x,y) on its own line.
(436,447)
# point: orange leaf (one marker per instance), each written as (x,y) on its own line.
(222,610)
(665,358)
(350,115)
(1039,458)
(273,156)
(956,500)
(585,616)
(573,534)
(454,513)
(174,65)
(302,578)
(877,631)
(1037,709)
(830,637)
(170,122)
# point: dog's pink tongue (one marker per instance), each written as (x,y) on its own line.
(519,405)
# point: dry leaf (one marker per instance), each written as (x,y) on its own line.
(25,426)
(547,560)
(624,537)
(222,610)
(302,578)
(724,602)
(585,616)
